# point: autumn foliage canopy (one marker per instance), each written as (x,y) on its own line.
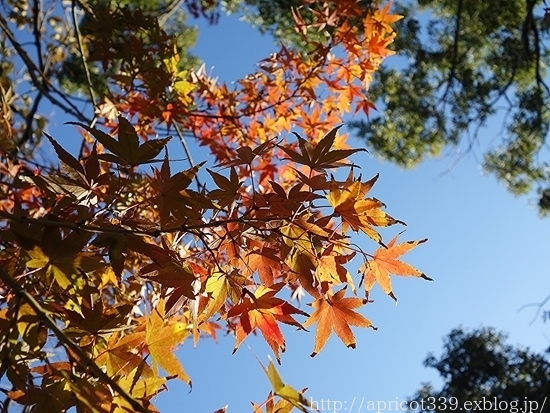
(116,255)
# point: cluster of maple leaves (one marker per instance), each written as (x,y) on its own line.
(115,266)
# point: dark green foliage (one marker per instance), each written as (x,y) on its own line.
(467,63)
(480,365)
(275,17)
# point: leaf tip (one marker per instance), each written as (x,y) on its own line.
(424,276)
(313,354)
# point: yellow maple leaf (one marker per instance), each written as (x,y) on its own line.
(161,337)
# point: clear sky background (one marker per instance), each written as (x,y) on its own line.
(487,253)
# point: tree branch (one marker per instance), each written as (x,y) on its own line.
(538,305)
(124,231)
(169,10)
(187,153)
(36,33)
(456,41)
(38,78)
(82,56)
(28,132)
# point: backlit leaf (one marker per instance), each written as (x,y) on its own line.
(161,338)
(336,313)
(385,262)
(285,391)
(263,310)
(358,213)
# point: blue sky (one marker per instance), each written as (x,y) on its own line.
(487,253)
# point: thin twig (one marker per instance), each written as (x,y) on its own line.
(38,79)
(539,308)
(28,132)
(82,56)
(86,71)
(456,42)
(187,153)
(37,35)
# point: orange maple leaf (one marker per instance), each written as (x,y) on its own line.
(263,310)
(379,23)
(356,212)
(385,262)
(330,269)
(335,313)
(265,261)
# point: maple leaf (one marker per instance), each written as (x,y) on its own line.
(228,188)
(80,182)
(91,395)
(356,212)
(142,389)
(161,337)
(284,391)
(263,310)
(62,258)
(221,286)
(282,405)
(298,252)
(173,195)
(121,356)
(265,261)
(126,150)
(380,21)
(167,268)
(335,313)
(385,262)
(320,156)
(279,203)
(330,270)
(246,155)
